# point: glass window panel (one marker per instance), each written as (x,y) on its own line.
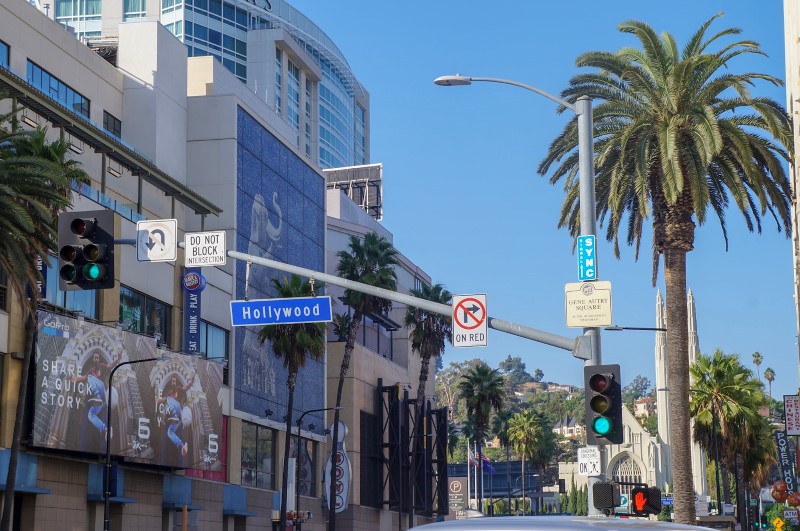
(215,37)
(4,54)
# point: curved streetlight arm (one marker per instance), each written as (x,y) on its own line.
(615,328)
(466,80)
(107,482)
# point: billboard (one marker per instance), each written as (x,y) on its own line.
(163,412)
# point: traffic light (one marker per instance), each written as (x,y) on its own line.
(603,404)
(86,250)
(645,501)
(606,496)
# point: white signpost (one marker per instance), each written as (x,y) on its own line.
(470,321)
(156,240)
(791,408)
(205,249)
(588,304)
(589,461)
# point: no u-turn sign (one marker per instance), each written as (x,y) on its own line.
(470,321)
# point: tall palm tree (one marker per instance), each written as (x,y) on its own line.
(428,331)
(369,261)
(769,376)
(676,133)
(482,389)
(523,434)
(293,344)
(34,187)
(757,359)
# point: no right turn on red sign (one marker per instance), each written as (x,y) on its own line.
(470,321)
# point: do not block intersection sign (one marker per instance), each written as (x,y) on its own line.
(470,321)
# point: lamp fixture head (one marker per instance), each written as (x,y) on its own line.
(451,81)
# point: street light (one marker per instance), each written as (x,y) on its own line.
(588,217)
(297,523)
(107,489)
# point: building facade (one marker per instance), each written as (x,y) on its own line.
(282,56)
(183,138)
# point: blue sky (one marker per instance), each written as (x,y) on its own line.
(464,201)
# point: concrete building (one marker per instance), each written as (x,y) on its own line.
(183,138)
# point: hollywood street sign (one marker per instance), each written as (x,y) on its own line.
(295,310)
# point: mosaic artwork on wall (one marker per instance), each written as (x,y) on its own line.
(280,216)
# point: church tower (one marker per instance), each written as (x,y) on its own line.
(662,393)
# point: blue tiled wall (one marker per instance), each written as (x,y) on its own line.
(287,198)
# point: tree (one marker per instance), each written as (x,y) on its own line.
(293,344)
(757,359)
(428,331)
(725,402)
(769,376)
(538,374)
(371,262)
(677,133)
(639,387)
(499,429)
(35,186)
(531,435)
(481,387)
(514,369)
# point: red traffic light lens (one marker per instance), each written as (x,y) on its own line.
(68,253)
(82,226)
(599,383)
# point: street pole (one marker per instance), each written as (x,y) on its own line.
(297,523)
(107,482)
(588,218)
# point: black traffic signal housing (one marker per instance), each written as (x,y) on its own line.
(645,501)
(603,404)
(606,496)
(86,250)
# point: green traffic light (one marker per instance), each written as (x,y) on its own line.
(601,425)
(93,271)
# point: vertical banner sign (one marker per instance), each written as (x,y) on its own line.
(785,460)
(339,472)
(791,407)
(193,283)
(587,258)
(457,490)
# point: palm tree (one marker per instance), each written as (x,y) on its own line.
(428,331)
(371,262)
(294,344)
(499,428)
(757,359)
(769,376)
(34,188)
(481,387)
(677,133)
(523,434)
(724,403)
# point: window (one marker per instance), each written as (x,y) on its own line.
(278,67)
(144,315)
(306,471)
(293,96)
(3,290)
(82,301)
(134,9)
(213,341)
(4,52)
(57,89)
(112,125)
(258,456)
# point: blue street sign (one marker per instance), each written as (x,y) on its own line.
(281,311)
(587,258)
(666,500)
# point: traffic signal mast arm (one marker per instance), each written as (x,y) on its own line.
(579,346)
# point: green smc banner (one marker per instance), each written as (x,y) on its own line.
(163,412)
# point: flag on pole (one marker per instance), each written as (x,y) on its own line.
(489,469)
(471,457)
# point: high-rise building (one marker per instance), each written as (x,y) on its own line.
(282,56)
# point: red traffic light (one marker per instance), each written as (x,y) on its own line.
(600,383)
